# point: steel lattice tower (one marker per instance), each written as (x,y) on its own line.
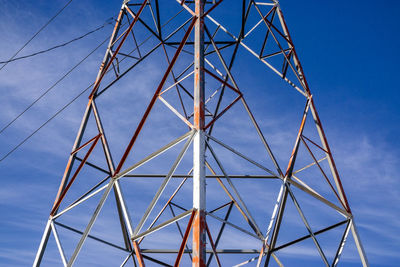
(199,88)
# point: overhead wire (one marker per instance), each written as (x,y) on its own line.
(44,124)
(41,29)
(109,21)
(75,98)
(57,82)
(58,112)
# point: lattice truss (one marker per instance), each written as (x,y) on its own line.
(138,210)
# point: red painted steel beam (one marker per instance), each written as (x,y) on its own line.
(316,116)
(85,144)
(155,96)
(325,142)
(323,173)
(185,239)
(139,256)
(213,245)
(222,81)
(61,197)
(212,8)
(298,139)
(104,71)
(223,111)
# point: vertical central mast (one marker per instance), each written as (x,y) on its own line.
(199,185)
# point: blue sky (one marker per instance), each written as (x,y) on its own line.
(349,55)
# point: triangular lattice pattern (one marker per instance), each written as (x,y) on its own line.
(164,116)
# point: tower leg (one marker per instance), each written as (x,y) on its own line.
(199,185)
(360,248)
(43,243)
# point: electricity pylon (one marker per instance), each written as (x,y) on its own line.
(196,95)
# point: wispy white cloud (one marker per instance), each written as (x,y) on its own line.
(371,163)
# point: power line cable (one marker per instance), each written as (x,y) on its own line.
(55,84)
(41,29)
(75,98)
(109,21)
(60,110)
(46,122)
